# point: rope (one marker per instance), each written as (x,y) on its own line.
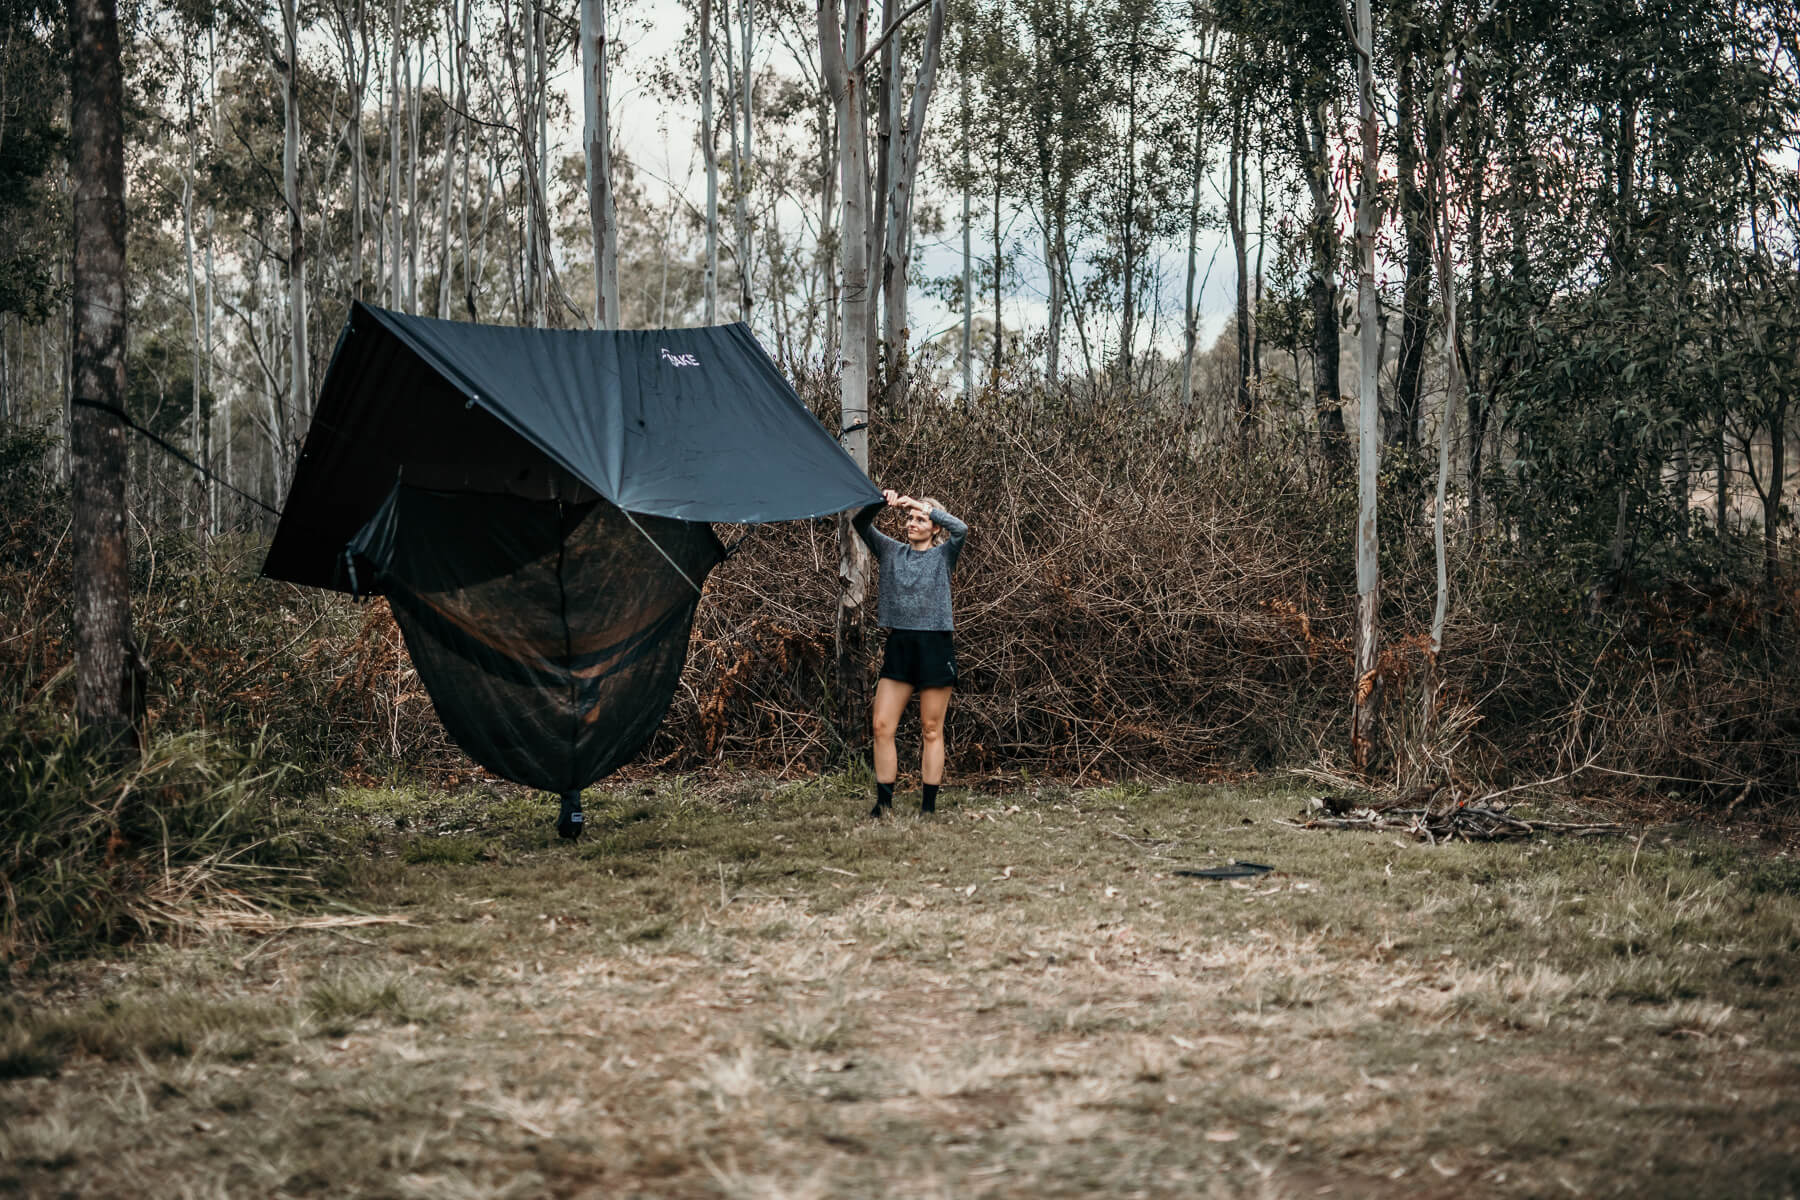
(661,551)
(125,418)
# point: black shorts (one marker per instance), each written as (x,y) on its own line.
(925,658)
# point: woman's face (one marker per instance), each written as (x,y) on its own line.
(918,527)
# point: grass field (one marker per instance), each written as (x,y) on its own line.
(752,990)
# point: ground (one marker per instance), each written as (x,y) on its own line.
(752,990)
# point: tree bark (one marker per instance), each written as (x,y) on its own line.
(197,418)
(106,685)
(838,47)
(968,273)
(356,73)
(597,137)
(393,227)
(1456,386)
(746,300)
(736,72)
(1190,313)
(1367,704)
(1128,221)
(299,383)
(709,150)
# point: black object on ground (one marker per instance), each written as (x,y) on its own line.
(1234,870)
(571,822)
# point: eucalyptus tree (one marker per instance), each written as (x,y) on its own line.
(1366,705)
(1435,195)
(903,137)
(709,150)
(104,656)
(1294,57)
(35,82)
(1061,136)
(597,142)
(740,92)
(997,66)
(1205,118)
(1604,347)
(300,376)
(1411,33)
(1128,198)
(843,54)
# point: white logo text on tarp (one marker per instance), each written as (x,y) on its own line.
(679,360)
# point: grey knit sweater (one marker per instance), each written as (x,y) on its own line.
(915,584)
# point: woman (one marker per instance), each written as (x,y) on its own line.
(915,608)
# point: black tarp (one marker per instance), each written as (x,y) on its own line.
(536,505)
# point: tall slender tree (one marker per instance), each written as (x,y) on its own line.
(902,174)
(1367,694)
(843,39)
(104,654)
(597,139)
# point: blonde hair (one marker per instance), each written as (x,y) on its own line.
(939,535)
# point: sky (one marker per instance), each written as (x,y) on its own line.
(660,140)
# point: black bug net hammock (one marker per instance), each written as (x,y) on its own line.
(537,506)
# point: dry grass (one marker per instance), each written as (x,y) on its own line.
(776,998)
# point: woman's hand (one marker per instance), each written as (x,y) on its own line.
(892,497)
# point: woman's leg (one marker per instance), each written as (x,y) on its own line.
(933,704)
(891,696)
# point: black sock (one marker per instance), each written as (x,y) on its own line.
(929,803)
(884,799)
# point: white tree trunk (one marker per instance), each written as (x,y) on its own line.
(737,73)
(846,87)
(546,223)
(415,153)
(396,233)
(745,230)
(968,271)
(1367,700)
(470,274)
(1190,310)
(357,72)
(1455,391)
(531,313)
(299,389)
(596,137)
(190,84)
(453,125)
(709,150)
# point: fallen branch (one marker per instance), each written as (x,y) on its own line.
(1465,822)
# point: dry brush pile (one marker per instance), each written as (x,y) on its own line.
(1120,608)
(1128,603)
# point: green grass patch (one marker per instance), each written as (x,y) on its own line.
(97,852)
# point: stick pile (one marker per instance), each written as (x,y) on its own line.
(1469,821)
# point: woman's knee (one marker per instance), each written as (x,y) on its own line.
(885,725)
(931,731)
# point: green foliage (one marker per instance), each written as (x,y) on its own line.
(94,853)
(450,851)
(33,87)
